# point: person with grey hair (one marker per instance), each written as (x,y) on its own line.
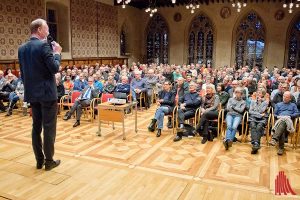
(151,82)
(39,62)
(257,118)
(235,109)
(187,108)
(209,111)
(138,85)
(84,100)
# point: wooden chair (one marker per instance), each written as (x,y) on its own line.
(68,100)
(294,136)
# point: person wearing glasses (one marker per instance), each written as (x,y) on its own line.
(84,100)
(283,87)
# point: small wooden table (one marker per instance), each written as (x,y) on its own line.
(115,113)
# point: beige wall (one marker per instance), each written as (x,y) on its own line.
(131,20)
(224,50)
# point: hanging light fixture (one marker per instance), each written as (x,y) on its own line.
(124,2)
(290,5)
(238,5)
(173,1)
(151,9)
(193,5)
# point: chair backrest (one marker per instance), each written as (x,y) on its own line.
(75,94)
(105,97)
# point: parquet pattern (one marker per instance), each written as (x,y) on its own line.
(196,171)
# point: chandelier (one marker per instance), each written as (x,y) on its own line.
(291,5)
(151,9)
(238,5)
(124,2)
(193,5)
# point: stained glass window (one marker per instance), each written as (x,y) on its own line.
(122,43)
(201,40)
(157,40)
(293,60)
(250,41)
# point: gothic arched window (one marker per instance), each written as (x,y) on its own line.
(122,43)
(201,40)
(250,41)
(157,40)
(293,59)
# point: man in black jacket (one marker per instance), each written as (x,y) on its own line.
(166,104)
(187,107)
(38,64)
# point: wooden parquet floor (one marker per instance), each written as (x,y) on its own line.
(141,167)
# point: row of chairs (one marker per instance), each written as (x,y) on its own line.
(244,126)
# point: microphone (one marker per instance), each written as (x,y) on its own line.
(50,41)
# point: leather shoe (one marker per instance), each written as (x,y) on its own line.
(40,164)
(77,123)
(51,164)
(177,138)
(158,134)
(204,140)
(66,117)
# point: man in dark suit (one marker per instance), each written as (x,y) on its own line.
(38,64)
(84,100)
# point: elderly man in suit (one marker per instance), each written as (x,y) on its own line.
(39,63)
(84,100)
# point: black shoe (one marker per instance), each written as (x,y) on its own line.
(40,164)
(158,134)
(66,117)
(51,164)
(204,140)
(169,125)
(77,123)
(152,125)
(235,139)
(255,148)
(210,136)
(226,145)
(177,138)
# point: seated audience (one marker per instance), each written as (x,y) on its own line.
(68,85)
(15,96)
(109,86)
(283,87)
(80,84)
(123,87)
(258,118)
(138,86)
(188,105)
(84,100)
(235,109)
(223,96)
(8,87)
(284,112)
(209,111)
(165,102)
(151,81)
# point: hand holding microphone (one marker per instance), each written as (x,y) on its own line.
(56,48)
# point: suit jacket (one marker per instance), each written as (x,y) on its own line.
(94,93)
(38,66)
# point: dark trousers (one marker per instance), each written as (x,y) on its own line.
(204,122)
(280,134)
(257,131)
(44,116)
(78,105)
(3,97)
(185,114)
